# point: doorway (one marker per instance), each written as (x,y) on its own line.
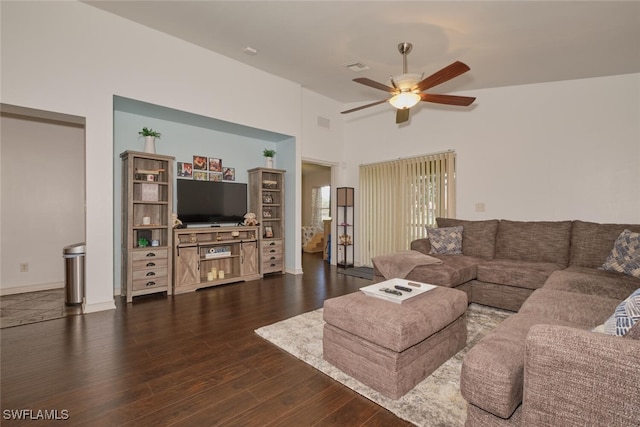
(42,196)
(316,208)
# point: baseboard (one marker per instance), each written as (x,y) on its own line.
(31,288)
(99,306)
(294,270)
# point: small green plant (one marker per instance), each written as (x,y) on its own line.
(149,132)
(268,153)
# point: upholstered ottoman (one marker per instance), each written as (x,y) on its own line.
(392,347)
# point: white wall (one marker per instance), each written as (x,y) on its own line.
(71,58)
(553,151)
(549,151)
(42,201)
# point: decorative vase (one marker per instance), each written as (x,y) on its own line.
(150,144)
(269,162)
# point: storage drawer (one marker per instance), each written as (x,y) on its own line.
(272,266)
(271,258)
(272,247)
(150,283)
(150,263)
(149,273)
(149,254)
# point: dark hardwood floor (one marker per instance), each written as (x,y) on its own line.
(186,360)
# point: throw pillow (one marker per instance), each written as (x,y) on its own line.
(626,315)
(446,240)
(625,255)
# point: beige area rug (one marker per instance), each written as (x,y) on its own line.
(436,401)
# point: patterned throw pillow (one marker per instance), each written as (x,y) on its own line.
(626,315)
(625,255)
(446,240)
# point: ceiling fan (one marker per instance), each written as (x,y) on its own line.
(407,88)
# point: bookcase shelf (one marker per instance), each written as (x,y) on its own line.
(266,200)
(147,194)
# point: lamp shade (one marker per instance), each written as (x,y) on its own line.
(405,100)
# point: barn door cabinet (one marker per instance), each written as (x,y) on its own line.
(210,256)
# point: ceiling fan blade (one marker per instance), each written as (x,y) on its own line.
(448,99)
(371,83)
(439,77)
(364,106)
(402,115)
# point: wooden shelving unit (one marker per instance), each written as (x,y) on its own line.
(344,226)
(266,200)
(147,195)
(201,254)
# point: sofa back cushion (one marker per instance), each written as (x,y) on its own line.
(478,237)
(536,241)
(591,243)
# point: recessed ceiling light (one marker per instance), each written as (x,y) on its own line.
(250,51)
(357,67)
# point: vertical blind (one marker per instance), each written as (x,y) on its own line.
(400,198)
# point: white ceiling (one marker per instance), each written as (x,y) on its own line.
(309,42)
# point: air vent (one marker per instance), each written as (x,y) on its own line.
(324,122)
(358,67)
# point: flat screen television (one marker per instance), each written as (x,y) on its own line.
(211,202)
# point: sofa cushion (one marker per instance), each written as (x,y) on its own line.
(634,332)
(626,315)
(399,264)
(446,240)
(522,274)
(478,237)
(541,241)
(591,243)
(455,270)
(493,370)
(580,310)
(625,255)
(593,282)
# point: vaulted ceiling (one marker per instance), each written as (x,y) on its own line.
(311,42)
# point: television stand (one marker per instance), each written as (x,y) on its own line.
(198,253)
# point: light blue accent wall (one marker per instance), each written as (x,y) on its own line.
(184,135)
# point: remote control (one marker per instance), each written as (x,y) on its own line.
(391,291)
(402,288)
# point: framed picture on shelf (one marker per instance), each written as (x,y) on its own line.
(200,163)
(268,231)
(229,174)
(215,165)
(215,176)
(185,170)
(201,176)
(267,198)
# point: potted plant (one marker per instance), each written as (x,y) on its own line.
(150,136)
(268,154)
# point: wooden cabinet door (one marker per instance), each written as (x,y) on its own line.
(187,267)
(249,264)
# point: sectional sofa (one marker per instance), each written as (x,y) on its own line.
(544,365)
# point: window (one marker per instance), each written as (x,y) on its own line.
(400,198)
(320,205)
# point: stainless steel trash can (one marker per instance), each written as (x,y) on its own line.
(74,256)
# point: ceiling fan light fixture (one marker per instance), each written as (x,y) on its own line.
(404,100)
